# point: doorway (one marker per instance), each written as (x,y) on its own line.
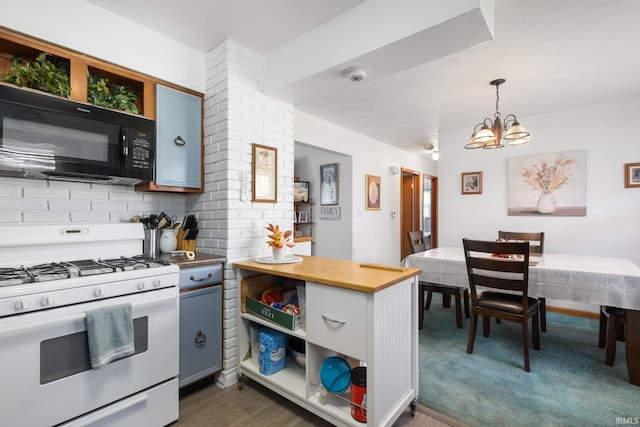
(430,210)
(417,215)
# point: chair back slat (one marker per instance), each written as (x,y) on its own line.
(535,239)
(497,283)
(416,240)
(497,264)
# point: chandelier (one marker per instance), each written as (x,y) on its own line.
(488,134)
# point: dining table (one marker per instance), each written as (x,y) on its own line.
(601,281)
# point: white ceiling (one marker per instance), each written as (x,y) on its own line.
(554,55)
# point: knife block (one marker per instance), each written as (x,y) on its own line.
(185,245)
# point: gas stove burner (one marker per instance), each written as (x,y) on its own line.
(13,276)
(89,267)
(137,262)
(35,273)
(48,272)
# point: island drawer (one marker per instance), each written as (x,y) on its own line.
(337,318)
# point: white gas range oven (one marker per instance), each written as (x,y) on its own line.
(50,276)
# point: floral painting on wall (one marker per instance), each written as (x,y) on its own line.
(548,184)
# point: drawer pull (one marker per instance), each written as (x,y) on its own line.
(193,279)
(328,319)
(179,141)
(200,338)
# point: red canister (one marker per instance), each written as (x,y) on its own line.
(359,393)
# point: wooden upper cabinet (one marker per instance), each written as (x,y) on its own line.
(79,66)
(189,104)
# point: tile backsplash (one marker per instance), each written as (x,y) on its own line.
(39,201)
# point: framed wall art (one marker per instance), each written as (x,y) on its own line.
(632,175)
(471,182)
(264,169)
(553,184)
(329,184)
(301,191)
(372,192)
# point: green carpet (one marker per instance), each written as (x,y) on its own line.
(569,384)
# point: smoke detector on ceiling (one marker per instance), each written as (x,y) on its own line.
(355,74)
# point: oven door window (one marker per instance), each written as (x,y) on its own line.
(68,355)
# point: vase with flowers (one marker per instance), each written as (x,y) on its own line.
(547,177)
(279,240)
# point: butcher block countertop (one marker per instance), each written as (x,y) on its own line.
(356,276)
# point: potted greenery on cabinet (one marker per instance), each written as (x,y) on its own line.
(49,73)
(103,93)
(42,73)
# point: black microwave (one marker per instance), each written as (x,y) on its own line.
(47,137)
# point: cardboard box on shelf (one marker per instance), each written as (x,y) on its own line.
(279,317)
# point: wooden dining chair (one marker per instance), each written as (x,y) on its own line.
(613,324)
(536,248)
(416,240)
(505,285)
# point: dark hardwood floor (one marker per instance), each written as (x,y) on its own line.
(206,405)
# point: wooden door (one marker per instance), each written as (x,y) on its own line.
(411,217)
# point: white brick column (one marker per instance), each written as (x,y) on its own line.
(238,114)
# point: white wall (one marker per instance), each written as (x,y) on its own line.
(86,28)
(328,234)
(375,234)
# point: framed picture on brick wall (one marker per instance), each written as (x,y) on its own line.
(264,168)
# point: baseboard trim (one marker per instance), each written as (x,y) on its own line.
(573,312)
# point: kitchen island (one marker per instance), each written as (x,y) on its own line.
(366,313)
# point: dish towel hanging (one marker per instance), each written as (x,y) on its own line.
(110,333)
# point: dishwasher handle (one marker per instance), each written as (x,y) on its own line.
(201,338)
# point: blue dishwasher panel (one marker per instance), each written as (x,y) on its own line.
(200,333)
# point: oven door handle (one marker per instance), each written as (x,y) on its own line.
(109,411)
(79,316)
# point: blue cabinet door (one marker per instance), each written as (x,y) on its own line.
(178,138)
(200,333)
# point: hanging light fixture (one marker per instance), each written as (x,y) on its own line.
(434,151)
(488,134)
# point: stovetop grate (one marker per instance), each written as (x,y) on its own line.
(80,268)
